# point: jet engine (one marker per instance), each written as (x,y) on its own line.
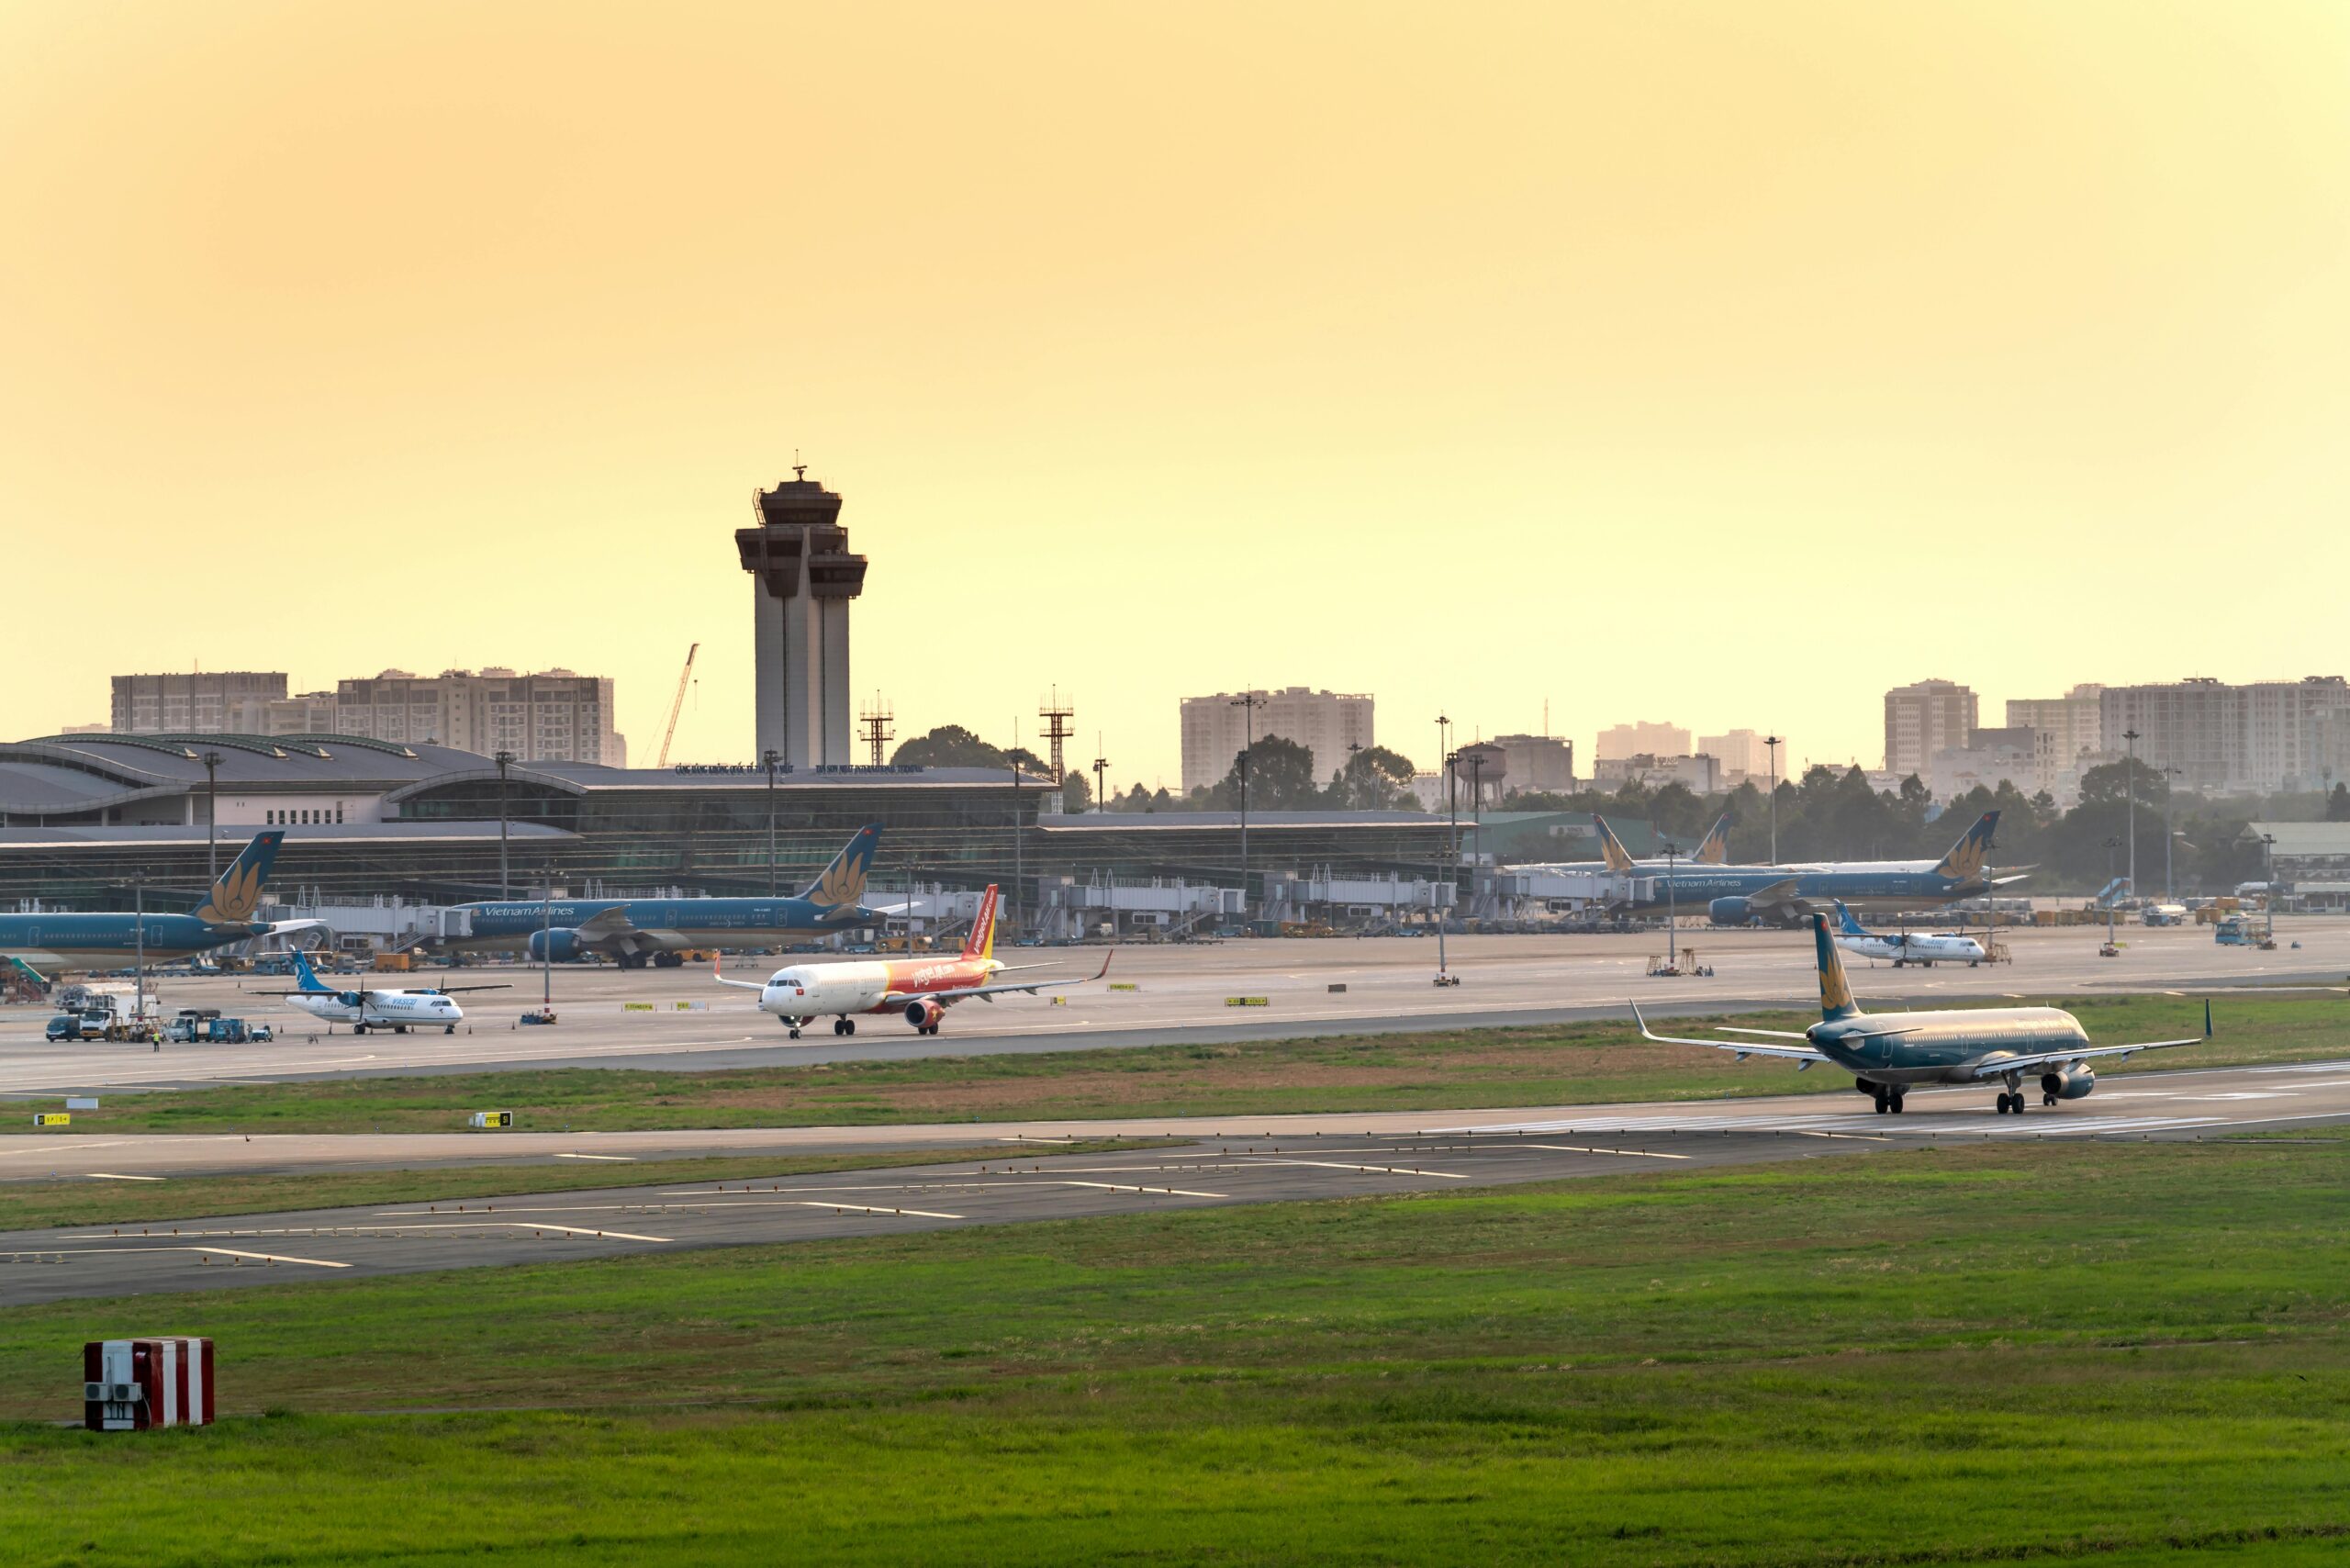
(924,1014)
(2073,1084)
(559,946)
(1732,911)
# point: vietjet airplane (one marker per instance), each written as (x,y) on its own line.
(922,991)
(1905,946)
(399,1011)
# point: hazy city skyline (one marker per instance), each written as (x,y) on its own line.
(1146,347)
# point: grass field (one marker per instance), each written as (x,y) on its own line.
(1572,1063)
(2124,1353)
(30,1204)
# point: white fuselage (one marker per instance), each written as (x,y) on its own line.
(1938,949)
(382,1009)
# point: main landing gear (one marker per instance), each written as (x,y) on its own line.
(1888,1101)
(843,1025)
(2011,1103)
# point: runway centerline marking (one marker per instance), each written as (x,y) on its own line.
(1372,1169)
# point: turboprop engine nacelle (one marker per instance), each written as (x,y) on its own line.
(559,946)
(2073,1084)
(924,1014)
(1732,911)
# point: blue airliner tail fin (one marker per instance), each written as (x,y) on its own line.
(237,894)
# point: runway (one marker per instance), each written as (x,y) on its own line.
(679,1020)
(1224,1160)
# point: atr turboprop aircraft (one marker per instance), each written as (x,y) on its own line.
(635,932)
(1887,1053)
(50,944)
(363,1009)
(1923,948)
(1785,895)
(923,992)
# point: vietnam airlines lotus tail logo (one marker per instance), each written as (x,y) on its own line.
(1715,851)
(237,894)
(1968,857)
(1610,851)
(1835,991)
(843,884)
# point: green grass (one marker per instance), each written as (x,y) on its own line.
(1572,1063)
(31,1205)
(2124,1353)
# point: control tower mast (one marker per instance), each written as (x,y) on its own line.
(804,577)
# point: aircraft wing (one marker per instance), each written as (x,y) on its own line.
(292,927)
(899,998)
(718,959)
(2001,1067)
(1744,1048)
(447,990)
(606,923)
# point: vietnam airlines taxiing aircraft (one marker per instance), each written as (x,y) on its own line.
(1906,946)
(365,1008)
(922,991)
(1887,1053)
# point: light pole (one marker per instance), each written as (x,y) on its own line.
(1100,778)
(2130,780)
(1019,850)
(505,759)
(138,939)
(769,758)
(211,816)
(1672,910)
(2169,773)
(2112,894)
(1247,703)
(1773,742)
(1452,850)
(2268,847)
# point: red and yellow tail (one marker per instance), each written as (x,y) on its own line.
(980,943)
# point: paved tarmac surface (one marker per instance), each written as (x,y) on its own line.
(1229,1160)
(690,1024)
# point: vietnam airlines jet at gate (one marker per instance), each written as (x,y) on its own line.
(635,932)
(922,991)
(365,1008)
(49,942)
(1712,850)
(1887,1053)
(1787,895)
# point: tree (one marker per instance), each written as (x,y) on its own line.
(2114,781)
(1374,780)
(1075,794)
(952,745)
(2338,804)
(1280,777)
(949,746)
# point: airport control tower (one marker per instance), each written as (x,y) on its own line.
(802,578)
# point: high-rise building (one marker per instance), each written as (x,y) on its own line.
(1327,723)
(553,716)
(1542,764)
(2074,723)
(802,580)
(1921,720)
(1639,738)
(2263,736)
(204,703)
(1742,756)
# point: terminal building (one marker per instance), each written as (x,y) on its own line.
(81,815)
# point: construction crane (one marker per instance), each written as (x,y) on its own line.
(677,705)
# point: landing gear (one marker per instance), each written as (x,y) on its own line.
(795,1030)
(633,960)
(668,960)
(1884,1099)
(450,1030)
(2011,1104)
(359,1028)
(843,1025)
(925,1028)
(1899,1100)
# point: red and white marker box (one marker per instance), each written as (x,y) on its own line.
(131,1384)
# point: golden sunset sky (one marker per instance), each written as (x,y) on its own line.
(1717,363)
